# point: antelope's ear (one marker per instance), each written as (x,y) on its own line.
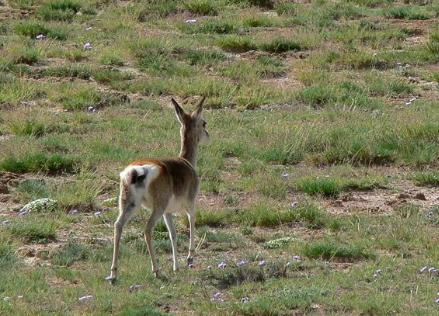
(178,111)
(199,109)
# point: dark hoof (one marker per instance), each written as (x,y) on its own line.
(111,279)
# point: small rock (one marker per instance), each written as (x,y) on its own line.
(73,212)
(86,298)
(337,203)
(245,300)
(87,46)
(136,287)
(403,196)
(40,37)
(23,213)
(190,21)
(315,306)
(42,254)
(88,28)
(222,265)
(420,196)
(4,189)
(91,109)
(294,204)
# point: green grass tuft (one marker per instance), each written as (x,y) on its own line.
(202,7)
(427,178)
(33,28)
(323,186)
(34,231)
(70,253)
(281,45)
(331,250)
(40,162)
(62,10)
(237,43)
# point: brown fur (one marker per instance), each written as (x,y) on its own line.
(174,186)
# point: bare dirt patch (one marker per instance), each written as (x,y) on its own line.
(383,201)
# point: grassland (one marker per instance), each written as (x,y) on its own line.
(319,188)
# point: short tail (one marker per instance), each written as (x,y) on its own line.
(133,175)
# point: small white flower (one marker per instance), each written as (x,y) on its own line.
(222,265)
(217,297)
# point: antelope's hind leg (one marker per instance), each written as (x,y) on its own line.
(173,236)
(149,231)
(123,218)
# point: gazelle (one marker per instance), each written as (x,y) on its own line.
(165,186)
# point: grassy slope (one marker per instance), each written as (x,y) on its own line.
(307,103)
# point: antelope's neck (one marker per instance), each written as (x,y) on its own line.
(188,151)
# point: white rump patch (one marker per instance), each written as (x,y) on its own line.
(151,171)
